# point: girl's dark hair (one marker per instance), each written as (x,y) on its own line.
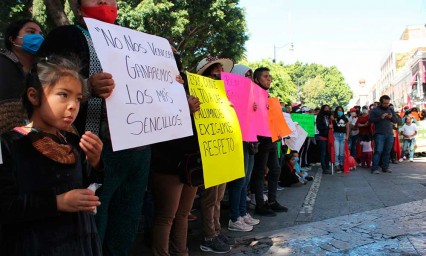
(47,72)
(335,110)
(258,73)
(322,110)
(366,137)
(12,31)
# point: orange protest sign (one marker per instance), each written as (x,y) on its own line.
(277,123)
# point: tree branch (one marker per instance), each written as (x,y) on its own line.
(56,10)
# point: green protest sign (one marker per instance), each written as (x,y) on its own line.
(306,121)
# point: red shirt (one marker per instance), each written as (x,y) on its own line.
(364,129)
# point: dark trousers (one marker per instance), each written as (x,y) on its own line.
(123,189)
(324,155)
(266,157)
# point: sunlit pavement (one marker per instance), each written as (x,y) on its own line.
(343,214)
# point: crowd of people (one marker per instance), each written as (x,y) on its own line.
(56,148)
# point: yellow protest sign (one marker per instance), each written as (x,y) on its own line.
(218,130)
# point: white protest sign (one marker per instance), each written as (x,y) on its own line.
(291,124)
(147,105)
(296,142)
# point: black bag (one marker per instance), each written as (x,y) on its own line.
(191,170)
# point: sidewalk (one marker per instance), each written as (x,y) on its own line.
(378,214)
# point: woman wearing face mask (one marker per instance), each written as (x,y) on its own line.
(22,39)
(341,132)
(323,126)
(126,171)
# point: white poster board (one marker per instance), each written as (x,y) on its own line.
(296,140)
(147,105)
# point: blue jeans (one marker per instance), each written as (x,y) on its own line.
(339,147)
(383,144)
(409,143)
(237,189)
(353,141)
(324,156)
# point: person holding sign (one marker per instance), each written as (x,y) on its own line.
(126,171)
(267,156)
(45,206)
(214,240)
(240,219)
(172,198)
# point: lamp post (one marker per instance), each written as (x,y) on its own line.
(279,47)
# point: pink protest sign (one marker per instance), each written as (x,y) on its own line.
(261,121)
(239,92)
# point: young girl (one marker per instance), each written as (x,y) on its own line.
(409,132)
(45,208)
(341,136)
(291,173)
(367,150)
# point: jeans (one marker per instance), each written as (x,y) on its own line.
(383,144)
(409,144)
(339,148)
(237,189)
(266,157)
(353,141)
(324,155)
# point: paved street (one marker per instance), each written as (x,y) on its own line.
(344,214)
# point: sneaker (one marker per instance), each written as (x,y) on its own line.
(401,160)
(411,160)
(226,239)
(276,207)
(264,210)
(404,158)
(214,245)
(249,220)
(279,188)
(239,225)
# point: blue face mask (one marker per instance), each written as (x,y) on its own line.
(340,113)
(32,42)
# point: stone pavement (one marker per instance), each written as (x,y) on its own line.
(344,214)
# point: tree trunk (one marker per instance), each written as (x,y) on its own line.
(55,9)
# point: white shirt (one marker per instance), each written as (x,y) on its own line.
(352,122)
(366,146)
(409,130)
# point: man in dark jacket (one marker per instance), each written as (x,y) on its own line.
(383,119)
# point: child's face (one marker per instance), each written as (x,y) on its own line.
(408,120)
(59,105)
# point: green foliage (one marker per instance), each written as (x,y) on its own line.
(13,10)
(282,87)
(197,28)
(320,85)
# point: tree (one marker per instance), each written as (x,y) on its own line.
(282,86)
(320,85)
(197,28)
